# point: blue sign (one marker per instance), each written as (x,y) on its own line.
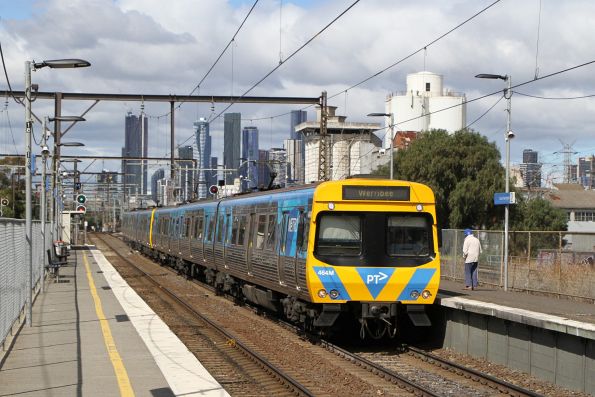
(504,198)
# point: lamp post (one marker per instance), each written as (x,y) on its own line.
(392,137)
(29,67)
(507,137)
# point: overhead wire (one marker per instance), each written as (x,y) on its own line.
(423,48)
(282,63)
(555,98)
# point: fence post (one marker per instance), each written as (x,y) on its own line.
(456,248)
(559,262)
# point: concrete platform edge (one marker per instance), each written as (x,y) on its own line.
(540,320)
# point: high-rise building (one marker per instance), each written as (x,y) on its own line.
(585,171)
(155,178)
(295,157)
(249,157)
(203,156)
(263,167)
(231,145)
(136,143)
(530,169)
(185,173)
(297,117)
(278,162)
(416,108)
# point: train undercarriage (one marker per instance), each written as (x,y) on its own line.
(374,320)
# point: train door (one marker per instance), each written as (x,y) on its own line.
(287,249)
(252,226)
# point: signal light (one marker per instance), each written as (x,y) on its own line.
(81,199)
(214,189)
(81,209)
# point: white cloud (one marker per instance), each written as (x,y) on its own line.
(157,47)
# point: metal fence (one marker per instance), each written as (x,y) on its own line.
(559,263)
(14,270)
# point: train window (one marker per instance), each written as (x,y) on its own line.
(198,228)
(188,226)
(226,231)
(259,236)
(408,235)
(220,225)
(212,222)
(339,234)
(241,230)
(234,230)
(270,240)
(303,230)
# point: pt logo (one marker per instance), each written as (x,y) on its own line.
(375,278)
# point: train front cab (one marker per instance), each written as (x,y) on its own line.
(376,250)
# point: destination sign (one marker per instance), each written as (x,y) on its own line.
(388,193)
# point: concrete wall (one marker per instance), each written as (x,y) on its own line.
(560,358)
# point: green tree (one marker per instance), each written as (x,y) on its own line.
(538,214)
(12,186)
(464,171)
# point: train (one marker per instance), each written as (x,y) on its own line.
(362,250)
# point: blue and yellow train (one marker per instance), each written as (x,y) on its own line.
(365,249)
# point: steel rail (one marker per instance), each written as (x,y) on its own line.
(255,356)
(481,377)
(402,381)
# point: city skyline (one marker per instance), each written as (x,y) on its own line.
(544,110)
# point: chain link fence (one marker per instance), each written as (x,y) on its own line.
(14,270)
(557,263)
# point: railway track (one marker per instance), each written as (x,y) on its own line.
(370,374)
(222,346)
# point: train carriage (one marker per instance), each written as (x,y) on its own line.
(362,248)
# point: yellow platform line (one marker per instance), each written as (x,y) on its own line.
(119,369)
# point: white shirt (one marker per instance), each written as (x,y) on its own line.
(471,249)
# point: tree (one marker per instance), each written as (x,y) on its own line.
(12,186)
(539,214)
(464,171)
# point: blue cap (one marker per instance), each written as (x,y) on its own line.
(467,232)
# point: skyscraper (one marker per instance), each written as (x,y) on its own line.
(297,117)
(530,169)
(136,143)
(185,173)
(296,154)
(157,176)
(203,156)
(278,161)
(250,155)
(231,145)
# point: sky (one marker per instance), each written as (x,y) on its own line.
(158,47)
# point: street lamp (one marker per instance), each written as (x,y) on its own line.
(392,136)
(30,66)
(507,137)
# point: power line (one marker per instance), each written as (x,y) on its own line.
(281,63)
(484,113)
(424,48)
(555,98)
(419,50)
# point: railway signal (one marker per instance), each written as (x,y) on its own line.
(81,208)
(81,199)
(214,189)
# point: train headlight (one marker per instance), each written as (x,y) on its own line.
(334,294)
(331,206)
(426,294)
(419,207)
(322,293)
(414,294)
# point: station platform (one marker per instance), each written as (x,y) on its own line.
(547,312)
(92,335)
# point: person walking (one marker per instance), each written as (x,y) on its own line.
(471,251)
